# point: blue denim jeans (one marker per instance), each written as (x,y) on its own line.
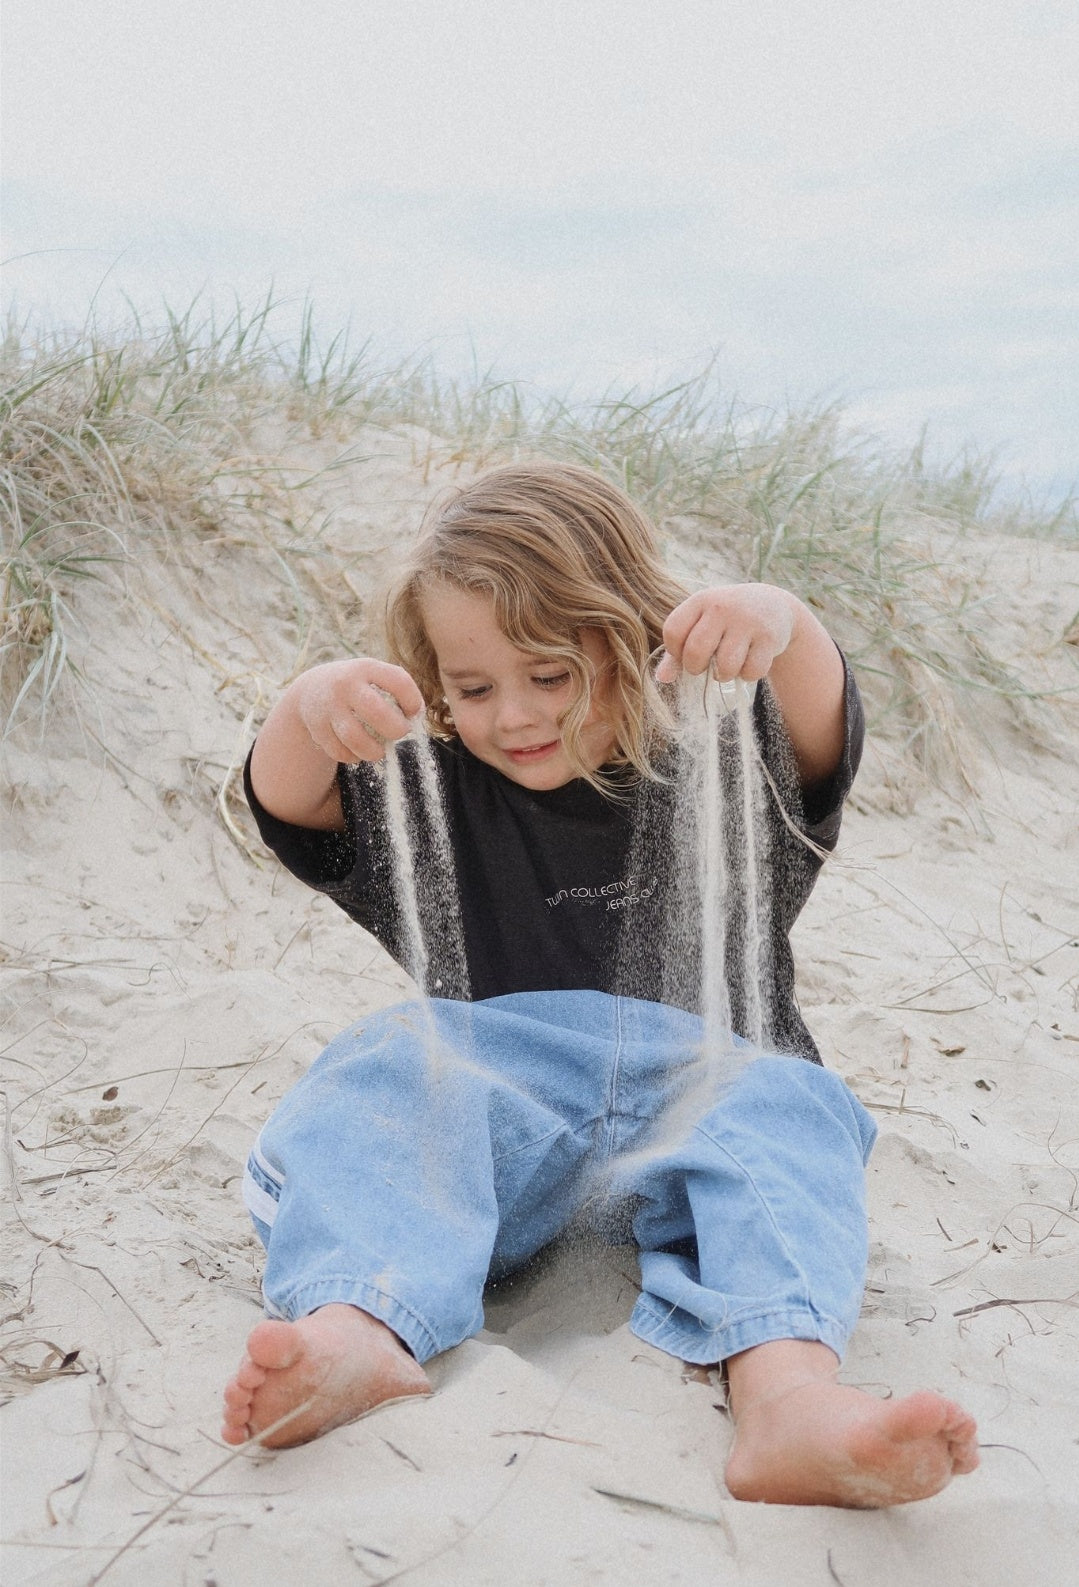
(432,1147)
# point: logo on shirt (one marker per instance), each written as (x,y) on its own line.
(613,895)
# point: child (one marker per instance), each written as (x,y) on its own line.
(389,1186)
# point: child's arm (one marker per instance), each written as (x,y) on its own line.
(342,711)
(754,631)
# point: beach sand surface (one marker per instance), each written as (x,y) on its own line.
(165,982)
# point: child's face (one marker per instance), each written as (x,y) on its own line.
(505,702)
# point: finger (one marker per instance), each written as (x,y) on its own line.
(667,669)
(378,713)
(758,662)
(702,644)
(347,740)
(397,683)
(730,657)
(680,623)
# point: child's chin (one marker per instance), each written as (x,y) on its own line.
(551,771)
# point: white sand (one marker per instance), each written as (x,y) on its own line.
(162,991)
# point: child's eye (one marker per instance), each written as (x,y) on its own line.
(474,694)
(553,680)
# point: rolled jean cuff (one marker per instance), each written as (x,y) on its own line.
(414,1332)
(681,1335)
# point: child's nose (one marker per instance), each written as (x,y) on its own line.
(515,710)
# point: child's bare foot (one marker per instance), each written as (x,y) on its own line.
(803,1438)
(328,1367)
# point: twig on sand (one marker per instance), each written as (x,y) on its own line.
(1036,1300)
(243,1451)
(56,1362)
(10,1173)
(72,1172)
(247,1067)
(916,1113)
(70,1482)
(141,1074)
(702,1517)
(488,1509)
(403,1455)
(833,1573)
(10,1181)
(179,1069)
(539,1432)
(91,1268)
(1015,1450)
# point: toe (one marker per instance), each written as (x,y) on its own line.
(962,1437)
(250,1376)
(965,1458)
(237,1398)
(919,1416)
(274,1346)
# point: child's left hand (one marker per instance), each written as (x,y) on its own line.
(753,631)
(739,629)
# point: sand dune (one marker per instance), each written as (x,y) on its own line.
(164,987)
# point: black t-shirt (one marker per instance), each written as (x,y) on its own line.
(570,889)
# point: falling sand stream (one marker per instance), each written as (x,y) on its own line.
(703,832)
(720,829)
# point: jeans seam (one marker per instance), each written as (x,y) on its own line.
(742,1333)
(527,1146)
(366,1286)
(616,1069)
(735,1318)
(776,1230)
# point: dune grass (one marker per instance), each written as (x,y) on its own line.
(118,445)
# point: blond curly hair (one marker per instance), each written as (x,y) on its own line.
(557,549)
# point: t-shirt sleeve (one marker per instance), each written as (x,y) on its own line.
(355,867)
(822,803)
(321,859)
(817,809)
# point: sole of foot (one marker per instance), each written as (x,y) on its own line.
(829,1444)
(317,1373)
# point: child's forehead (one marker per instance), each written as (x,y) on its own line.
(458,658)
(462,626)
(456,619)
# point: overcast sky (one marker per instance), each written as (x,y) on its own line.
(841,199)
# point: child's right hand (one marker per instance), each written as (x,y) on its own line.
(341,711)
(353,709)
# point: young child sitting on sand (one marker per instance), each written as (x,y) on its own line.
(396,1178)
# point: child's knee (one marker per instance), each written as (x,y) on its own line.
(793,1089)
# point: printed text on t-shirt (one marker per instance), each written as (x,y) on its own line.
(612,895)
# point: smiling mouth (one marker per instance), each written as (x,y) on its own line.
(533,753)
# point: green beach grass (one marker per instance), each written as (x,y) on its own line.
(120,445)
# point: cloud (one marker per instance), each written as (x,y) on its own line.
(849,199)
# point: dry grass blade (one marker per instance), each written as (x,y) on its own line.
(108,442)
(19,1375)
(636,1501)
(1037,1300)
(243,1451)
